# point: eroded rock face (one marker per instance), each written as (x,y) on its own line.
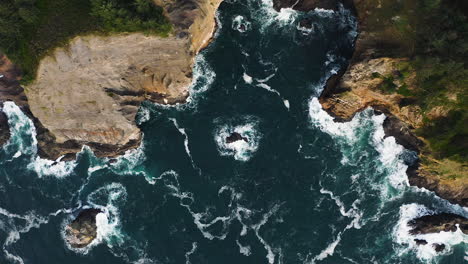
(83,230)
(89,92)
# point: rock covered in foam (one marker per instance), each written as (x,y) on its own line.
(83,230)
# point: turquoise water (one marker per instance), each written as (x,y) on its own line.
(303,189)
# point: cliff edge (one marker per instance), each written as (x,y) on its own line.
(89,91)
(409,63)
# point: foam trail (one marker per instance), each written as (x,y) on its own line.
(186,143)
(270,253)
(189,253)
(329,250)
(261,83)
(244,250)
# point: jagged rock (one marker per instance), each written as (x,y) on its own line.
(235,137)
(420,241)
(436,223)
(83,230)
(438,247)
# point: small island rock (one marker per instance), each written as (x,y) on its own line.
(83,230)
(235,137)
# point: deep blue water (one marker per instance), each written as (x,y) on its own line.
(303,189)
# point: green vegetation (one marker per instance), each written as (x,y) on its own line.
(31,28)
(433,34)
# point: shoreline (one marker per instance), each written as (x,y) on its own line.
(354,89)
(172,87)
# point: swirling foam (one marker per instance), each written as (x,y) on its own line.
(241,150)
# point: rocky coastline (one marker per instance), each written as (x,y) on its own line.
(89,92)
(358,87)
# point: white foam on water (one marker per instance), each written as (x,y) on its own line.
(286,103)
(328,251)
(31,220)
(406,241)
(21,129)
(130,162)
(324,121)
(271,256)
(247,78)
(59,169)
(143,115)
(240,149)
(244,250)
(186,143)
(324,12)
(353,212)
(203,78)
(390,153)
(189,253)
(240,24)
(267,16)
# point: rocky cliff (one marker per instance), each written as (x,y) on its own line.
(88,92)
(374,78)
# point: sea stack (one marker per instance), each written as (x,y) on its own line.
(83,230)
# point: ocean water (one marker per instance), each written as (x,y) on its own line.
(302,189)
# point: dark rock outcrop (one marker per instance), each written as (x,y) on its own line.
(437,223)
(306,5)
(235,137)
(420,242)
(83,230)
(402,133)
(438,247)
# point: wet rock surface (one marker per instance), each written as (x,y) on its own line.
(438,247)
(446,222)
(235,137)
(83,230)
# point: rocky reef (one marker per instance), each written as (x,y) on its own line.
(82,230)
(374,78)
(88,92)
(444,222)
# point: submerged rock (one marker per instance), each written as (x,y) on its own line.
(235,137)
(83,230)
(446,222)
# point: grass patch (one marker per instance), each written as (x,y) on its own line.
(29,29)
